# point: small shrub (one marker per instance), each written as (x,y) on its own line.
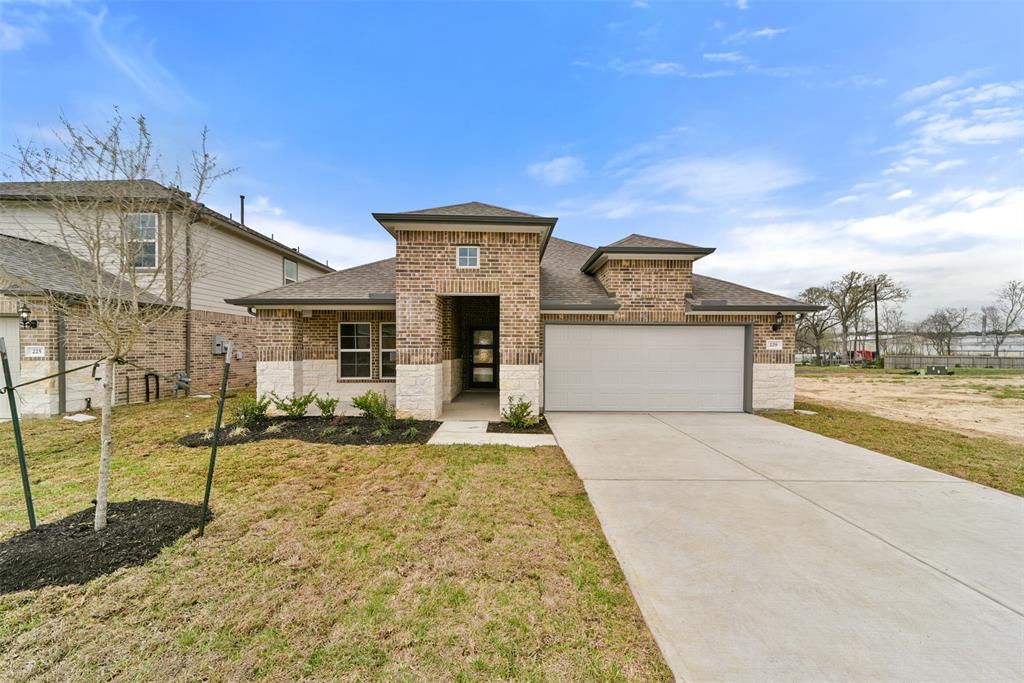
(381,432)
(293,406)
(208,435)
(376,406)
(410,432)
(249,411)
(238,432)
(329,431)
(352,431)
(273,429)
(519,413)
(326,405)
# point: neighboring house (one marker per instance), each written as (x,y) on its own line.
(36,264)
(484,298)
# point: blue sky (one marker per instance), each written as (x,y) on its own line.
(801,140)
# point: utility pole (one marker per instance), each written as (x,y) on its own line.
(878,348)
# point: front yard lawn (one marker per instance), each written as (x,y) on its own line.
(993,462)
(325,562)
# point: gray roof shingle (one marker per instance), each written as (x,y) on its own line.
(563,286)
(710,294)
(645,241)
(365,284)
(29,267)
(470,209)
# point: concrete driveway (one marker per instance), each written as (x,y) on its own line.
(758,551)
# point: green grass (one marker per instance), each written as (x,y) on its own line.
(1001,391)
(995,463)
(836,371)
(326,563)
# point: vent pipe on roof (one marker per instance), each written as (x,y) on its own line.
(241,209)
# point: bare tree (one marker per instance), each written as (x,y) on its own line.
(894,325)
(1006,314)
(97,186)
(941,327)
(850,296)
(812,327)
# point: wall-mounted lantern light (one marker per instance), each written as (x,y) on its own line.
(25,313)
(777,325)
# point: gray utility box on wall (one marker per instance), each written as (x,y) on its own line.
(220,347)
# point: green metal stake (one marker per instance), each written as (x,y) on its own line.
(216,438)
(9,388)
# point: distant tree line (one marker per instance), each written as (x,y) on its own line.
(851,301)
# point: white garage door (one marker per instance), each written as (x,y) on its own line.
(643,367)
(10,331)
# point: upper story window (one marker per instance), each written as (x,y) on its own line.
(468,257)
(141,231)
(291,271)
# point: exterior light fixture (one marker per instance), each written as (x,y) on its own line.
(24,313)
(777,325)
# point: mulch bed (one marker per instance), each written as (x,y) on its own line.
(505,428)
(343,431)
(69,551)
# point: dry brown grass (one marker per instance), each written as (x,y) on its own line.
(327,563)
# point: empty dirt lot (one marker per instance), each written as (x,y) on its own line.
(990,403)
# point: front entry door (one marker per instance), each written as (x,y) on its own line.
(484,359)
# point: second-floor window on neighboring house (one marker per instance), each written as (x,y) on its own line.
(143,238)
(291,271)
(468,257)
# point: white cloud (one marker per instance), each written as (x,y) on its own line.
(734,57)
(557,171)
(748,34)
(20,26)
(134,58)
(849,199)
(340,250)
(923,92)
(946,165)
(688,185)
(902,194)
(649,67)
(946,250)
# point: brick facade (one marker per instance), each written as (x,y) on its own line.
(160,348)
(436,303)
(647,289)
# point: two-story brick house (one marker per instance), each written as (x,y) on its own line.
(479,297)
(38,262)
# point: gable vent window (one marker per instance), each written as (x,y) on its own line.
(291,271)
(141,233)
(468,257)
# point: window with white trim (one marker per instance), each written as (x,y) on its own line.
(467,257)
(291,271)
(387,350)
(141,235)
(354,353)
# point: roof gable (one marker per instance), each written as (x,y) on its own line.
(478,209)
(636,240)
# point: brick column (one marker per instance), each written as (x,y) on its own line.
(279,352)
(419,375)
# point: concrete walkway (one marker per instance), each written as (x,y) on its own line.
(761,552)
(475,432)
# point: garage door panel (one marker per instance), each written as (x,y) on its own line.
(647,368)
